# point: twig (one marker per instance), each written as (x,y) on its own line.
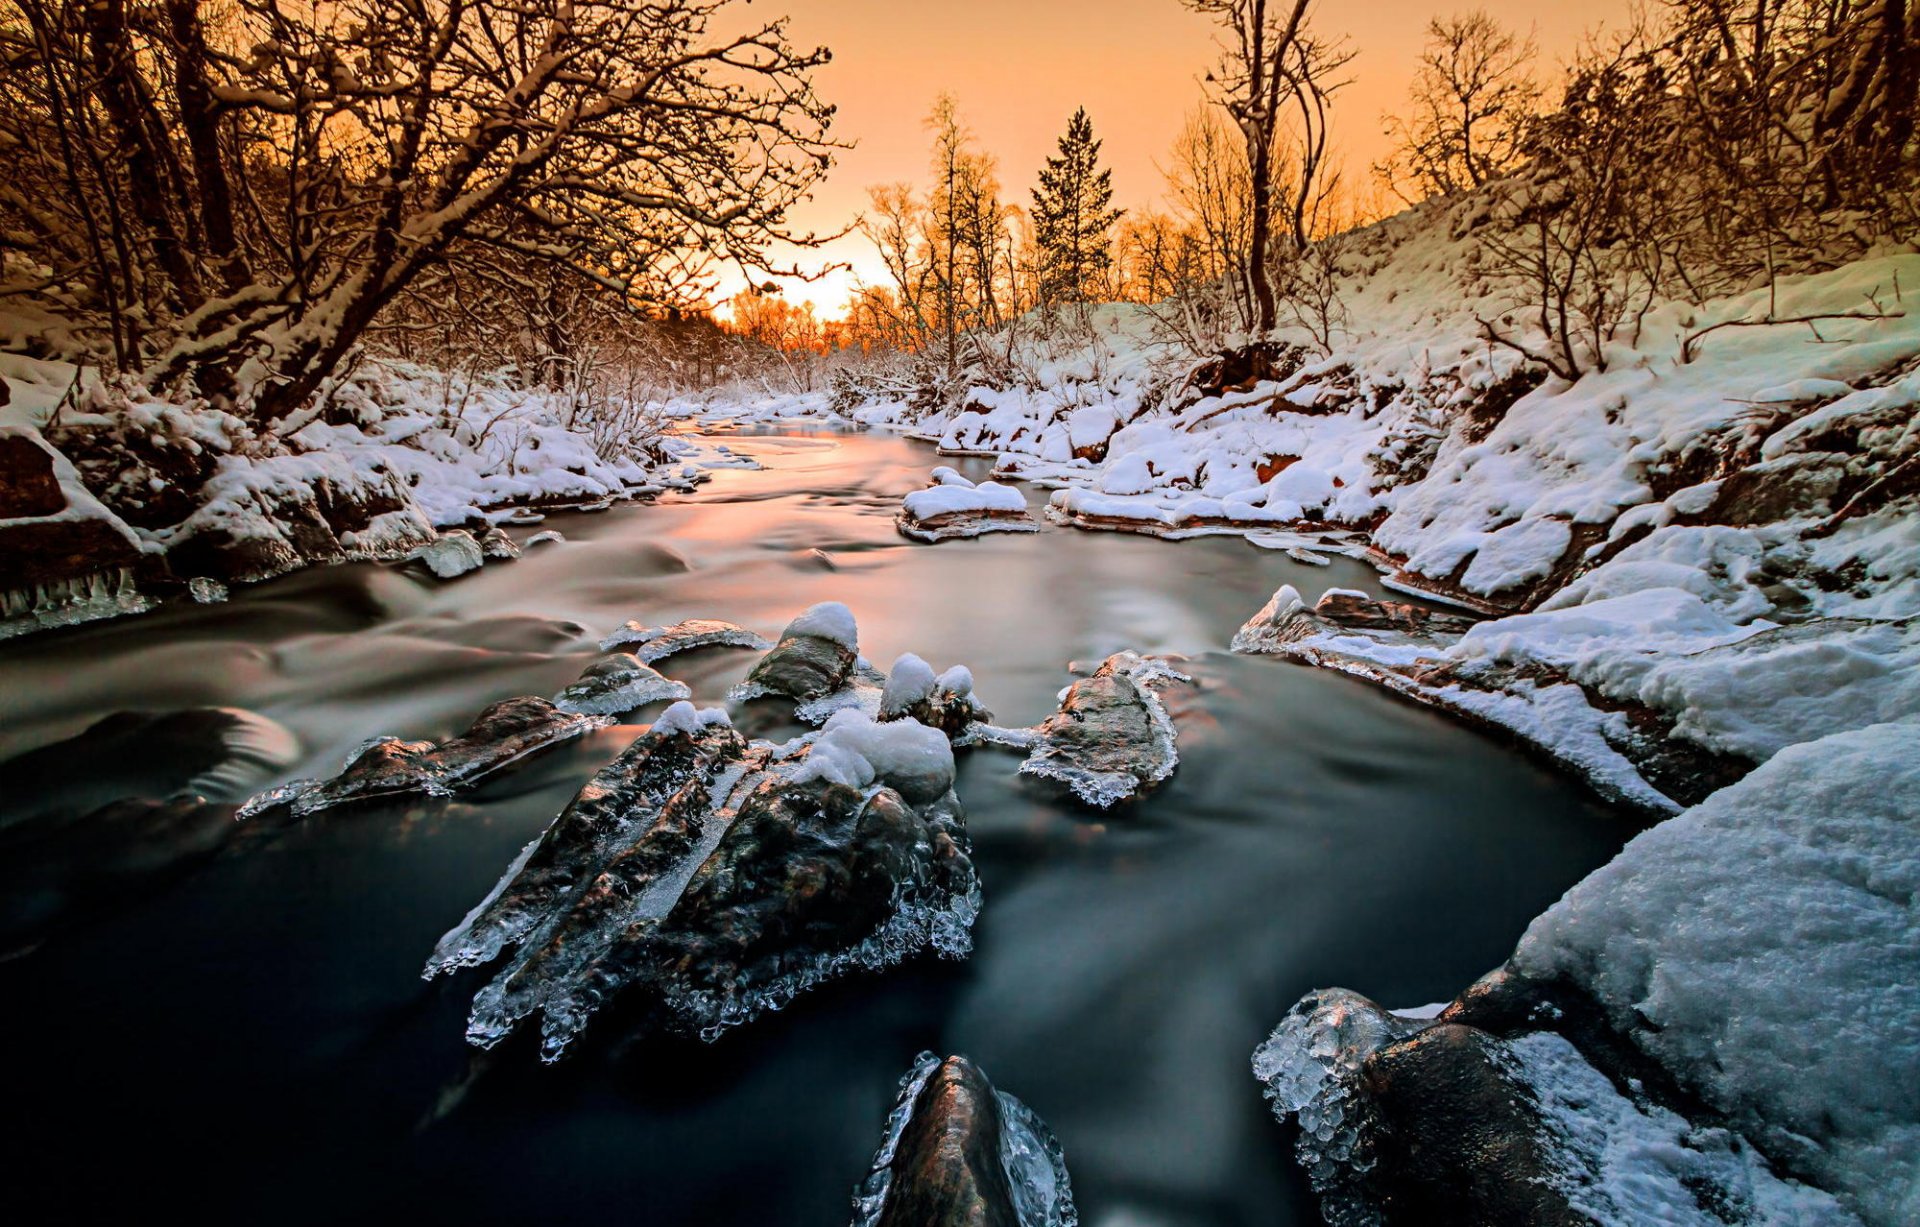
(1690,345)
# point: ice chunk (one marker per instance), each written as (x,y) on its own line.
(452,554)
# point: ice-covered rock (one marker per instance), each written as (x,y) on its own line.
(655,643)
(958,1153)
(815,657)
(497,546)
(550,536)
(945,702)
(206,591)
(715,882)
(451,554)
(954,507)
(618,683)
(1416,1119)
(1112,738)
(500,737)
(64,557)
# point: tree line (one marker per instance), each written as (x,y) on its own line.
(1701,147)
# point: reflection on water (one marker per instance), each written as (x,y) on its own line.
(254,1043)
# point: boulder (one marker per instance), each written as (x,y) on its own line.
(1112,738)
(710,882)
(958,1153)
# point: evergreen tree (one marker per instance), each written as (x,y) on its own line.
(1073,217)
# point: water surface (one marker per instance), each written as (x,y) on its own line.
(252,1042)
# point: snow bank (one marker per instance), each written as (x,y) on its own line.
(1764,947)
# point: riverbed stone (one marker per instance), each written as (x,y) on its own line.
(389,768)
(1112,738)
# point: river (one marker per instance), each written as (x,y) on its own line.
(252,1042)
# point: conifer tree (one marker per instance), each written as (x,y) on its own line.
(1073,217)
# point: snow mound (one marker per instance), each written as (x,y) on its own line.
(685,719)
(829,620)
(1764,947)
(910,681)
(853,750)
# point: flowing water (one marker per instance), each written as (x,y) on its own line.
(249,1040)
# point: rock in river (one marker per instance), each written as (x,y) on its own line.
(655,643)
(814,658)
(618,683)
(715,878)
(1112,738)
(956,508)
(500,737)
(958,1153)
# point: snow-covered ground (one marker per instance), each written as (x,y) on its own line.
(403,452)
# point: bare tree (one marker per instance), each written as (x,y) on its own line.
(1471,98)
(1573,237)
(1277,78)
(236,200)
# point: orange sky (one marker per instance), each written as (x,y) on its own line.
(1020,67)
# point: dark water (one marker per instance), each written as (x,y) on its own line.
(252,1042)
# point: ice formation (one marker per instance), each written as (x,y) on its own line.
(618,683)
(499,738)
(958,1151)
(1112,738)
(655,643)
(717,881)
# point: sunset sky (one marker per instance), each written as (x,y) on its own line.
(1020,67)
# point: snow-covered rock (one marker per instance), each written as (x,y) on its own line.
(451,555)
(1681,1039)
(714,881)
(815,657)
(956,508)
(64,557)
